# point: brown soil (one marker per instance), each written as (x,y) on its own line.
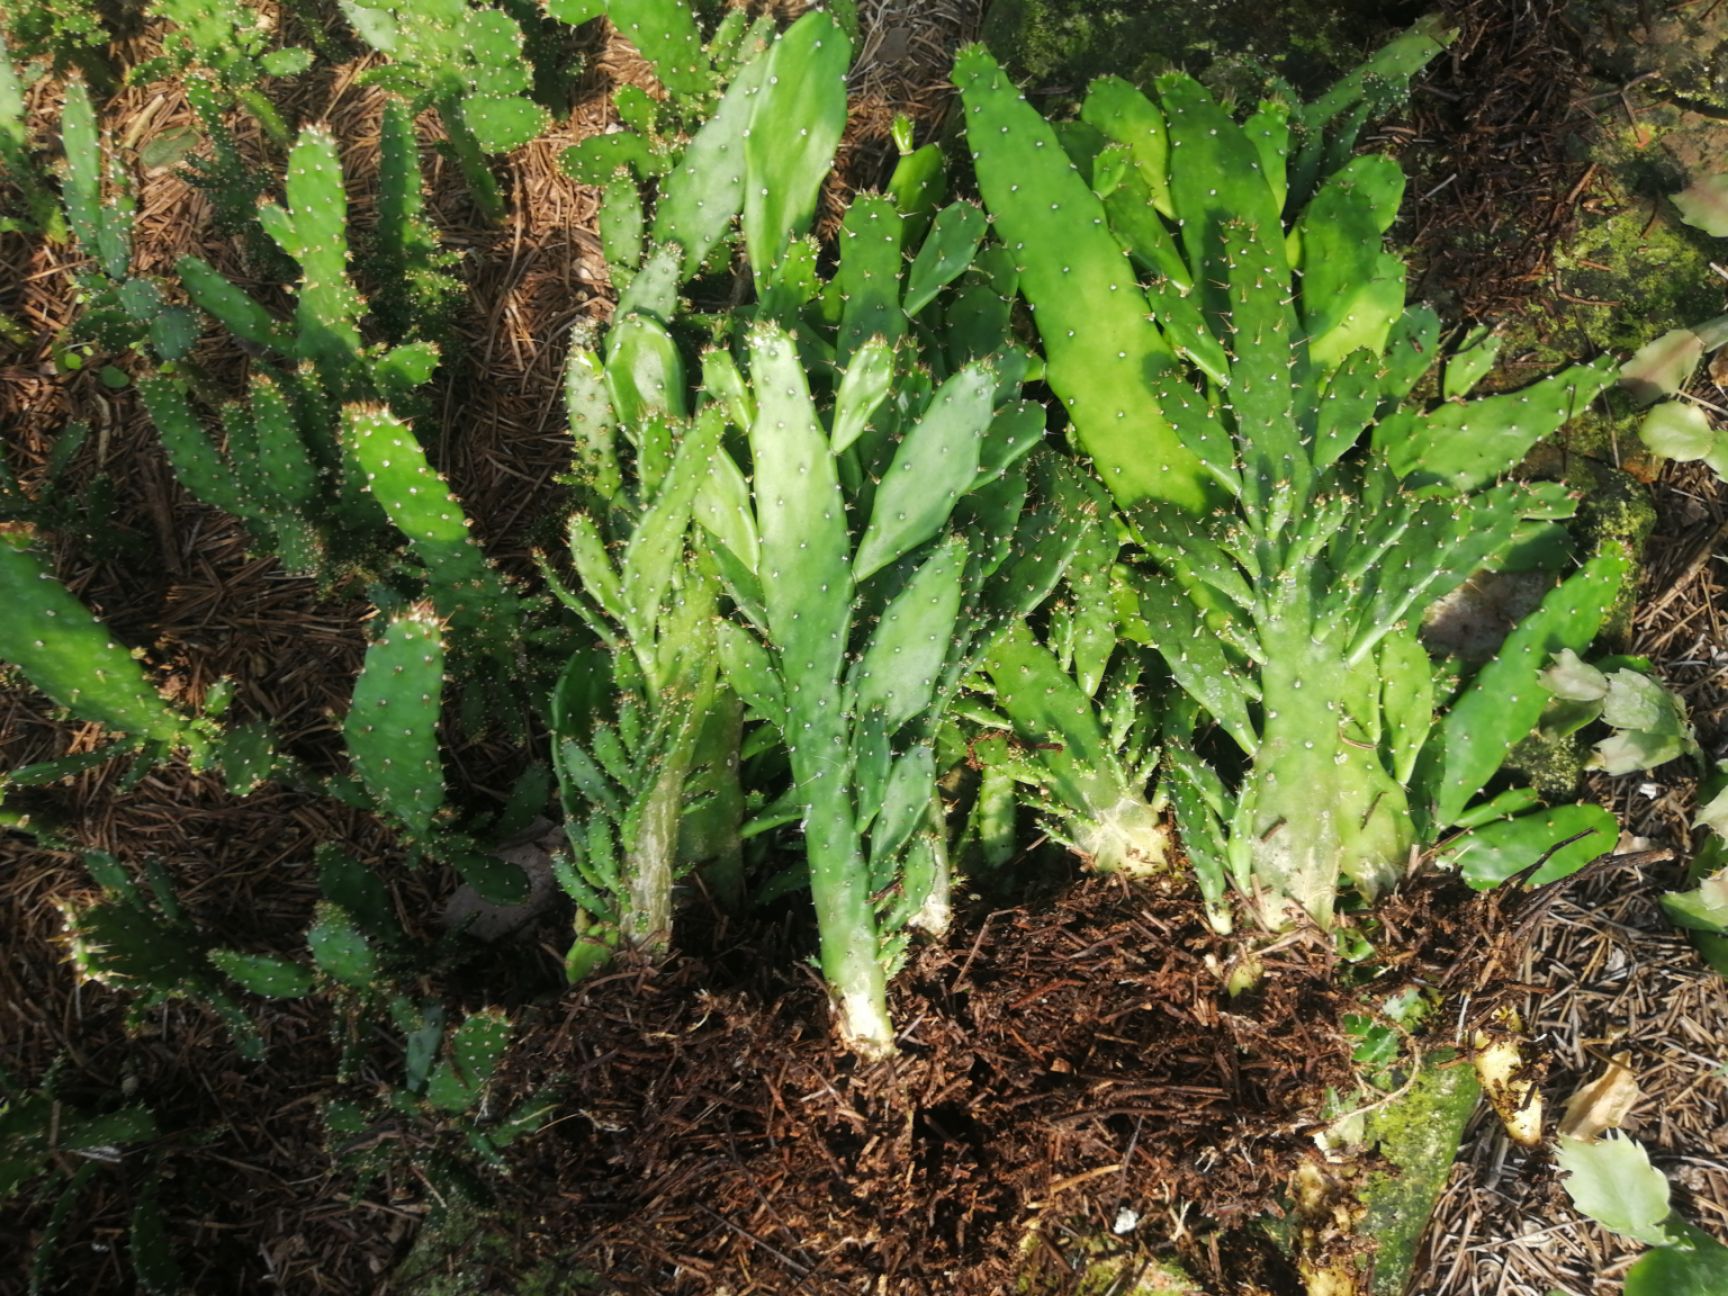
(1057,1067)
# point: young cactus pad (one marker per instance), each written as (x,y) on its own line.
(392,725)
(68,654)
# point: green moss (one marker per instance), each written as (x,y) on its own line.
(1552,766)
(1060,45)
(1418,1135)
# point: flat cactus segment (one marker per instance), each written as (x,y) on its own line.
(1384,77)
(898,672)
(82,190)
(665,33)
(273,978)
(871,240)
(1100,345)
(1216,176)
(644,375)
(339,948)
(313,230)
(806,567)
(621,227)
(1346,407)
(1340,237)
(906,805)
(933,466)
(1199,428)
(195,459)
(1406,700)
(722,507)
(234,307)
(751,674)
(594,566)
(593,427)
(475,1051)
(1411,349)
(1142,232)
(463,584)
(658,541)
(1562,839)
(287,475)
(800,113)
(1125,115)
(502,122)
(68,654)
(947,251)
(703,194)
(1502,705)
(863,387)
(1195,656)
(1467,445)
(1014,433)
(1267,364)
(392,724)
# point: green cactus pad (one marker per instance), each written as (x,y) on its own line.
(392,725)
(898,672)
(339,948)
(947,251)
(260,974)
(933,466)
(464,585)
(799,115)
(871,238)
(1503,704)
(68,654)
(1100,344)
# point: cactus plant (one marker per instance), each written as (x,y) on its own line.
(68,654)
(232,43)
(120,311)
(1238,387)
(468,63)
(286,470)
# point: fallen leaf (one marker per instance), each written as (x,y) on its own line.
(1603,1103)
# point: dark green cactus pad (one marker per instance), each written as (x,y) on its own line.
(464,586)
(665,32)
(475,1050)
(1503,704)
(68,654)
(273,978)
(340,949)
(392,725)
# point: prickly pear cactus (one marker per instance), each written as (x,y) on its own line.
(1225,325)
(68,654)
(392,724)
(468,63)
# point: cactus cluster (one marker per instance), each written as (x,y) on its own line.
(286,468)
(1233,345)
(467,62)
(231,46)
(119,311)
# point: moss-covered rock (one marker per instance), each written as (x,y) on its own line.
(1418,1137)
